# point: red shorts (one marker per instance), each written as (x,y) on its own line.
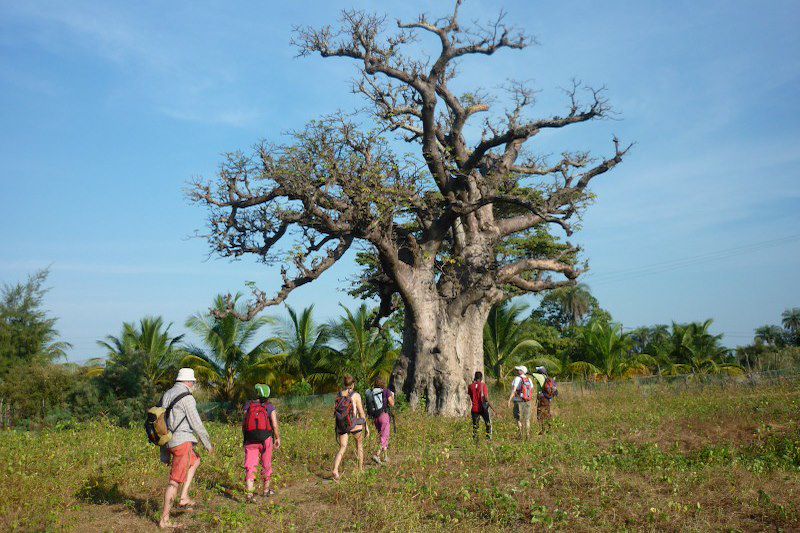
(183,456)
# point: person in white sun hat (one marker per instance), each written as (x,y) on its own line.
(522,392)
(185,424)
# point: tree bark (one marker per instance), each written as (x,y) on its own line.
(441,352)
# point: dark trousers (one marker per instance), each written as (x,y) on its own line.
(476,421)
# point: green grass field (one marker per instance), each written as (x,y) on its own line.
(659,458)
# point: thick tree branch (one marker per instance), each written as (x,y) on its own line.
(307,275)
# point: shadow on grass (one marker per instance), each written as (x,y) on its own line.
(98,489)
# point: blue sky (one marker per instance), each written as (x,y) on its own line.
(109,108)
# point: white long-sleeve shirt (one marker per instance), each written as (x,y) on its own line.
(184,420)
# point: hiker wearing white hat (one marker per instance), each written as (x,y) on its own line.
(186,375)
(520,399)
(186,426)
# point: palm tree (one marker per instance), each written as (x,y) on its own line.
(304,352)
(695,346)
(771,335)
(650,339)
(575,301)
(366,352)
(791,321)
(504,340)
(143,357)
(231,361)
(608,354)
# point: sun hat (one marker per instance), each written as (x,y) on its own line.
(523,368)
(262,390)
(185,374)
(541,370)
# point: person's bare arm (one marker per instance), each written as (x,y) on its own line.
(511,397)
(359,407)
(276,429)
(391,399)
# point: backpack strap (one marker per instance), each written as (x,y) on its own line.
(168,410)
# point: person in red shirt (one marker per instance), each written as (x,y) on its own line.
(479,394)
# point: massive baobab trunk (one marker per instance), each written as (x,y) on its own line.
(461,227)
(441,351)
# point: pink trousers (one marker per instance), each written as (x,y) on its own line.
(255,453)
(384,426)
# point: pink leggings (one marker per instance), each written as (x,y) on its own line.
(384,426)
(255,452)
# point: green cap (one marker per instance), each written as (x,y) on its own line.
(262,390)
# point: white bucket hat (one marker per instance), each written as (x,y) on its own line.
(523,368)
(185,374)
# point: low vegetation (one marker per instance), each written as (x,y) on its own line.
(662,457)
(568,332)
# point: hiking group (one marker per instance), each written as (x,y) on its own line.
(523,391)
(175,425)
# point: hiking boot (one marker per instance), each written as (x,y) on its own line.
(376,459)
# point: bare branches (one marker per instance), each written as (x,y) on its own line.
(566,199)
(527,265)
(537,285)
(518,133)
(361,37)
(457,42)
(460,211)
(307,275)
(605,165)
(332,185)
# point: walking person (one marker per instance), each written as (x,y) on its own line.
(546,395)
(479,396)
(350,420)
(261,436)
(379,402)
(186,426)
(520,398)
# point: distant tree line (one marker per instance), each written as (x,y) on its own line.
(568,332)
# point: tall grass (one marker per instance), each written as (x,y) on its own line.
(655,457)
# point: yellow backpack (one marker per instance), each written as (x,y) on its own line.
(155,424)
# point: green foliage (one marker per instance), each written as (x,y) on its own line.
(366,353)
(228,366)
(303,352)
(620,458)
(608,354)
(702,352)
(44,394)
(27,333)
(142,360)
(505,343)
(791,320)
(301,388)
(772,336)
(566,308)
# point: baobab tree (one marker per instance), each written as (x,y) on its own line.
(453,229)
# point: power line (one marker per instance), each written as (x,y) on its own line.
(675,264)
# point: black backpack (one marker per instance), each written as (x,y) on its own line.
(343,413)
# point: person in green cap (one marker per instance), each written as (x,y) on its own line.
(261,436)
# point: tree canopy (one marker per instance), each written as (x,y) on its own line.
(27,332)
(455,227)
